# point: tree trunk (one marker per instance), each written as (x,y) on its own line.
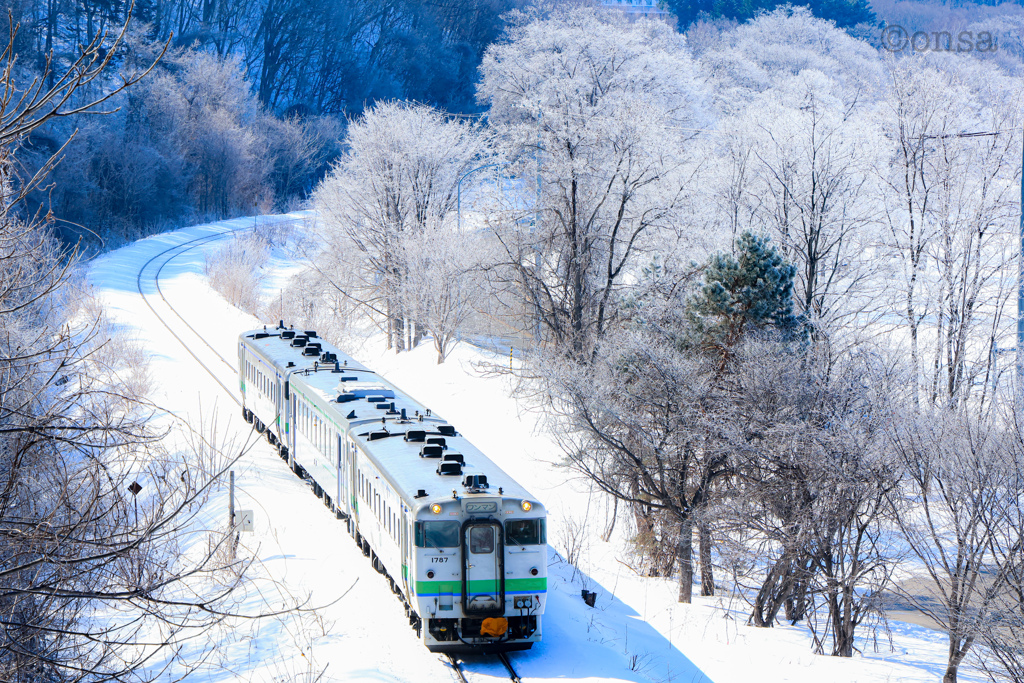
(797,600)
(707,570)
(684,556)
(773,592)
(842,622)
(399,327)
(606,536)
(956,655)
(390,324)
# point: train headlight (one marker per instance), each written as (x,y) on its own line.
(526,505)
(435,508)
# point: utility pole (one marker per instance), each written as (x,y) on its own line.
(1019,388)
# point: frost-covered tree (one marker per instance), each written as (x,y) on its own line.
(756,56)
(597,110)
(443,281)
(951,218)
(650,420)
(398,180)
(962,520)
(93,512)
(810,512)
(806,185)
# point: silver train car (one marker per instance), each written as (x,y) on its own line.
(462,544)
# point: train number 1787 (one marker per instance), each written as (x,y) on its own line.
(439,559)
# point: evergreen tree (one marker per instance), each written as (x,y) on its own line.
(750,290)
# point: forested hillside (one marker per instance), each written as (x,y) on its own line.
(244,110)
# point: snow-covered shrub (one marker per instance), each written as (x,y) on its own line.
(236,271)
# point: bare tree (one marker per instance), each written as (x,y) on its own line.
(949,206)
(807,173)
(92,509)
(443,281)
(635,425)
(809,512)
(961,519)
(592,108)
(399,179)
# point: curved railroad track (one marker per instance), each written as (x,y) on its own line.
(181,249)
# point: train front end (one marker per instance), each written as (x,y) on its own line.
(479,570)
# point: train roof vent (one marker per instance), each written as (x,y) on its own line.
(288,334)
(446,430)
(415,435)
(454,457)
(310,351)
(475,483)
(437,441)
(261,335)
(348,379)
(385,406)
(351,415)
(346,397)
(420,494)
(299,341)
(310,333)
(379,435)
(430,452)
(449,468)
(375,399)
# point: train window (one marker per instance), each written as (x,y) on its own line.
(481,540)
(525,531)
(437,534)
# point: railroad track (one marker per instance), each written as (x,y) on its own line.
(181,249)
(502,656)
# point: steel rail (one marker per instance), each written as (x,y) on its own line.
(184,246)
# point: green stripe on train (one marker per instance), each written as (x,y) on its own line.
(531,585)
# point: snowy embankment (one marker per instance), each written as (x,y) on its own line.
(358,632)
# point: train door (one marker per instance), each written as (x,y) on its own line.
(483,568)
(279,418)
(342,498)
(350,483)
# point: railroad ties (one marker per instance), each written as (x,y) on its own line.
(457,668)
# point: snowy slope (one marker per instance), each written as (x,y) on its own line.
(636,631)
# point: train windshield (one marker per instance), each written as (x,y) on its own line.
(437,534)
(525,532)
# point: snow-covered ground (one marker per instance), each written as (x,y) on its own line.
(303,556)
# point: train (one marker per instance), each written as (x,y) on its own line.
(462,544)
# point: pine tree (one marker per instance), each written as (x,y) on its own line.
(748,291)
